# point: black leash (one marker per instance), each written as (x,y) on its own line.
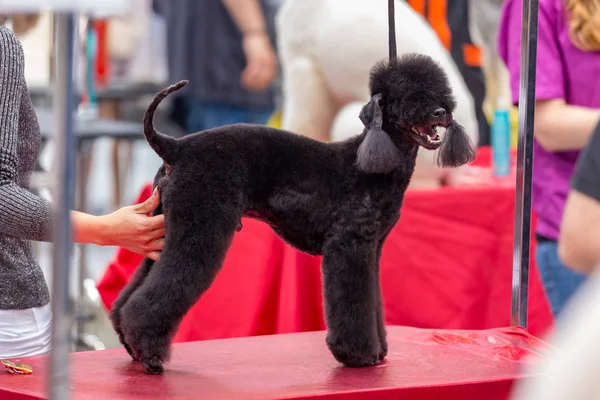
(392,32)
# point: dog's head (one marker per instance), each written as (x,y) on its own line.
(412,103)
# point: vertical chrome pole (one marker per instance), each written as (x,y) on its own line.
(62,307)
(522,245)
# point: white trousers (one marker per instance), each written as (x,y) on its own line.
(26,332)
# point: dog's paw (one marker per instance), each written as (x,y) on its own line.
(153,366)
(354,353)
(123,342)
(384,350)
(129,350)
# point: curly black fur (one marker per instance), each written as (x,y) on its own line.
(339,200)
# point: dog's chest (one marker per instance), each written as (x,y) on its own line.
(295,219)
(386,202)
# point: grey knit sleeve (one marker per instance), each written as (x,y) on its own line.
(22,214)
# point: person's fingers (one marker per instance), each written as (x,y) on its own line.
(255,80)
(267,73)
(158,233)
(258,74)
(155,245)
(250,76)
(156,222)
(153,255)
(261,80)
(150,204)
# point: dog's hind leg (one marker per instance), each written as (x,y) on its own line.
(351,301)
(136,280)
(192,255)
(115,314)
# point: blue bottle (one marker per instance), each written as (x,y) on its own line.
(501,155)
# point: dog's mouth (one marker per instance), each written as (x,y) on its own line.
(426,136)
(430,136)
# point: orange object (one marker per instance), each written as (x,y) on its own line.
(16,367)
(418,6)
(438,18)
(473,55)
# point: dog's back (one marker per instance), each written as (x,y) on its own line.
(263,154)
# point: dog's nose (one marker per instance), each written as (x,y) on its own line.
(440,112)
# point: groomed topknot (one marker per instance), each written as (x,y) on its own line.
(409,70)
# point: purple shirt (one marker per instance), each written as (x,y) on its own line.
(563,72)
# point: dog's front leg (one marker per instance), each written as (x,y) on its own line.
(381,331)
(351,301)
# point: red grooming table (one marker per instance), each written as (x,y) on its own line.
(422,365)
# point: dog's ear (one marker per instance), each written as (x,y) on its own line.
(457,148)
(377,154)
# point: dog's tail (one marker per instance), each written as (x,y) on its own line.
(165,146)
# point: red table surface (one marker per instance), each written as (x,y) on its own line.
(446,265)
(421,365)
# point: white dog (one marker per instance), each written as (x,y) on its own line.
(327,48)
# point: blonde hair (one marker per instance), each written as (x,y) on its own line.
(584,24)
(21,23)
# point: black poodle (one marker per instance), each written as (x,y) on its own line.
(339,200)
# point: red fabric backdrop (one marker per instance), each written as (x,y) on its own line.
(446,265)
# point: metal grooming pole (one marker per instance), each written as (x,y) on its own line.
(62,306)
(63,105)
(522,245)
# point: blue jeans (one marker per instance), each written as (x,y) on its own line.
(560,282)
(201,115)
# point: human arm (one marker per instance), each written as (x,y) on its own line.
(579,240)
(261,61)
(558,125)
(129,228)
(563,127)
(247,15)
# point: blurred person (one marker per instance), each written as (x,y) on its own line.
(579,242)
(25,313)
(225,48)
(567,109)
(569,368)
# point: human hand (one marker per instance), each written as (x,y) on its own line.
(131,228)
(261,62)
